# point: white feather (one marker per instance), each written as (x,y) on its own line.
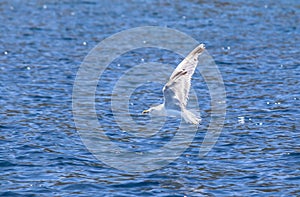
(176,90)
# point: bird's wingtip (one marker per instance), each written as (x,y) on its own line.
(199,49)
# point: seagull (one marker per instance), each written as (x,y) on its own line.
(176,90)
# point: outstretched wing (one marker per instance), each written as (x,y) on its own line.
(176,90)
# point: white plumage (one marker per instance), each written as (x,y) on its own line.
(176,90)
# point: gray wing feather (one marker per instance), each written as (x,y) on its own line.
(176,90)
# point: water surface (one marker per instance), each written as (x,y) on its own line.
(255,44)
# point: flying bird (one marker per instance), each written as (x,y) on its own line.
(176,90)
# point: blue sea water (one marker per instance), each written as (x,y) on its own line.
(255,45)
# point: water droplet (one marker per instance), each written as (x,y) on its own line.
(268,103)
(241,120)
(72,13)
(118,65)
(28,68)
(184,17)
(226,48)
(84,43)
(5,52)
(44,6)
(142,60)
(144,41)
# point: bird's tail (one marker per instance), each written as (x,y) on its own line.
(190,117)
(198,50)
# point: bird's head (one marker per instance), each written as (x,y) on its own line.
(148,110)
(154,110)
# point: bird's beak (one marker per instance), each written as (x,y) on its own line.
(145,112)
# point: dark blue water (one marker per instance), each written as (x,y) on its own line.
(255,45)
